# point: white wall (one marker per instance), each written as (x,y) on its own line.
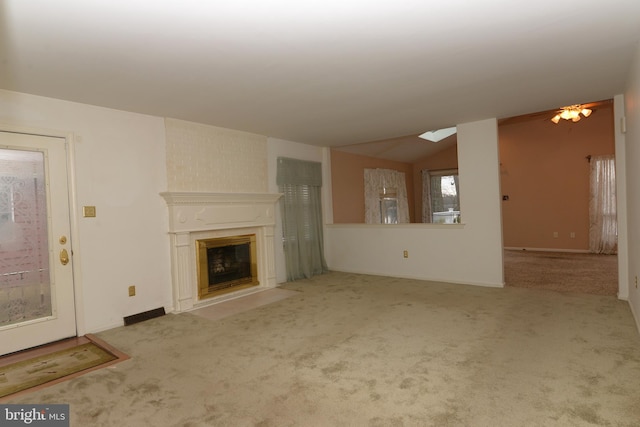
(119,168)
(281,148)
(470,253)
(632,140)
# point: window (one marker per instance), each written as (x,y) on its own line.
(441,197)
(388,207)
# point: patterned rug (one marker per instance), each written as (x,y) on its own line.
(26,374)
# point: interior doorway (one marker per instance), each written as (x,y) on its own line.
(545,184)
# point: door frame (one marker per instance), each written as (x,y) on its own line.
(70,140)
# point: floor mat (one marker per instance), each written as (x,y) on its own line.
(56,366)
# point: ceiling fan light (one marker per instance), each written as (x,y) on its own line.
(571,112)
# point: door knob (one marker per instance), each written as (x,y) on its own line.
(64,257)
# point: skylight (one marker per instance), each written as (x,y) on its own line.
(438,135)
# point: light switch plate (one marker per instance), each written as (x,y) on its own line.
(89,211)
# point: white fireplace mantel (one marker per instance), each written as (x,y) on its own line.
(202,215)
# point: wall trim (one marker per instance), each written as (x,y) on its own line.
(576,251)
(424,279)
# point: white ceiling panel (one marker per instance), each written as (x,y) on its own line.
(327,73)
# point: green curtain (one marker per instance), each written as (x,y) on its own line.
(300,183)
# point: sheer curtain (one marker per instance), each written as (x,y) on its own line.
(426,197)
(603,224)
(379,183)
(300,182)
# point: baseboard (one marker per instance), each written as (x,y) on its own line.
(577,251)
(107,327)
(635,316)
(104,328)
(426,279)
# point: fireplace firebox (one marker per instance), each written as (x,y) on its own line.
(226,264)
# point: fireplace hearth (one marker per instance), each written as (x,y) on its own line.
(226,264)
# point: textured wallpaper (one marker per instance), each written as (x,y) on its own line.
(211,159)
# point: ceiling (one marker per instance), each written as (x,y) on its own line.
(405,149)
(413,149)
(327,73)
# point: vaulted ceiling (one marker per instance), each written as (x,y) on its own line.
(328,73)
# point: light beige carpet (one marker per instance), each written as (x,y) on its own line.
(562,271)
(356,350)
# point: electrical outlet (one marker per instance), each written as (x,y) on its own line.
(572,235)
(132,291)
(555,234)
(405,254)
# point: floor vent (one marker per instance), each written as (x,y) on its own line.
(141,317)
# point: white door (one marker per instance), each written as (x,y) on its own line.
(36,275)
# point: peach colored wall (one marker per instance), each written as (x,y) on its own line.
(545,173)
(347,179)
(445,159)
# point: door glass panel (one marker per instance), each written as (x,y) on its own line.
(25,291)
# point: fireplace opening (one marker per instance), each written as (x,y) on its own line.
(226,264)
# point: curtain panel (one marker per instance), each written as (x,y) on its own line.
(300,182)
(299,172)
(376,181)
(603,222)
(437,203)
(426,196)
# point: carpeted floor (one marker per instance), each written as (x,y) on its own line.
(357,350)
(562,271)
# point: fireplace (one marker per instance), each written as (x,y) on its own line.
(226,264)
(202,224)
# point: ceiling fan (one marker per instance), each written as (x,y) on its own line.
(551,114)
(572,112)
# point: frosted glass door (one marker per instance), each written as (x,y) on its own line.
(37,302)
(25,292)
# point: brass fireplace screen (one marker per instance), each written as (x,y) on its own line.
(226,264)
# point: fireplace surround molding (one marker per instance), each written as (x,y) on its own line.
(201,215)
